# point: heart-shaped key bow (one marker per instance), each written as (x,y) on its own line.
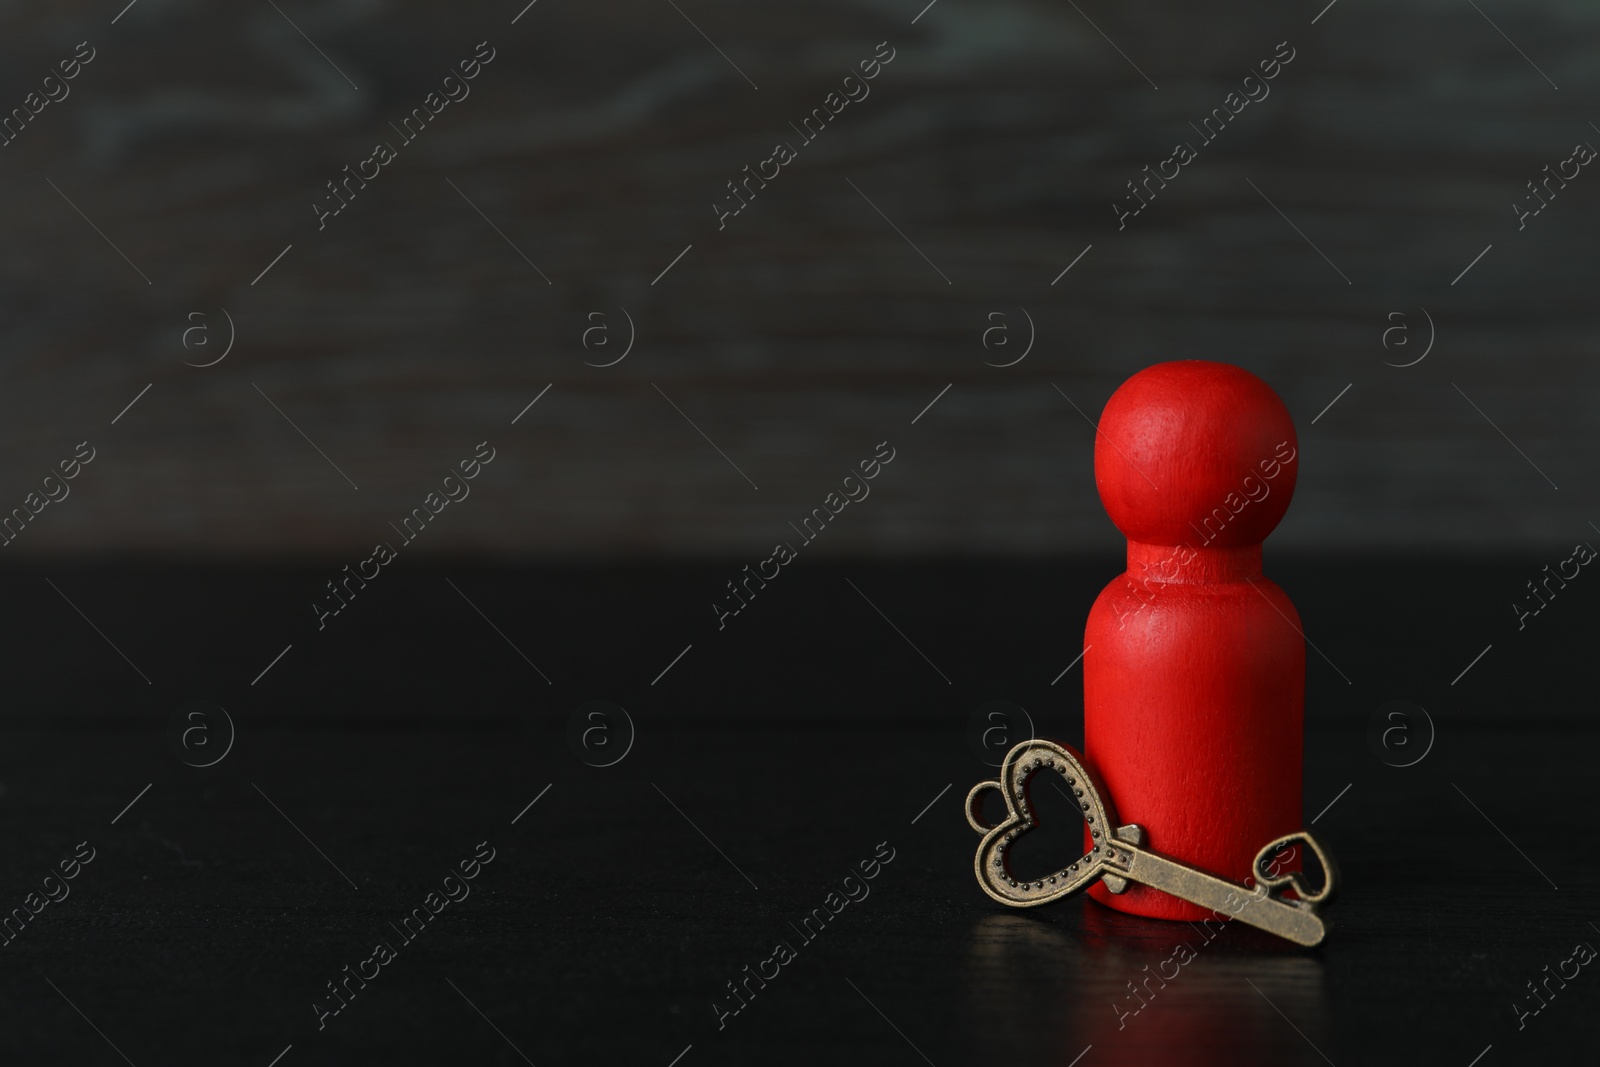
(1118,856)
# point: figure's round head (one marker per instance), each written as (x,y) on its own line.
(1198,453)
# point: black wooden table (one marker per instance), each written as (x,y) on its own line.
(764,768)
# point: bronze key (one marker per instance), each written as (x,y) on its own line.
(1118,855)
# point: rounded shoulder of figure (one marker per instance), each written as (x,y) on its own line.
(1237,609)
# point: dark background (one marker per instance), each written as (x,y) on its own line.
(807,330)
(764,760)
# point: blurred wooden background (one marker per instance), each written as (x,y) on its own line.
(809,329)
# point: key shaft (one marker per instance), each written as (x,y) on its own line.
(1297,922)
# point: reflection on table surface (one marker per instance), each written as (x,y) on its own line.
(1141,991)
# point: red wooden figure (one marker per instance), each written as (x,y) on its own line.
(1194,682)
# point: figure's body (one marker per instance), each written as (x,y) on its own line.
(1194,682)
